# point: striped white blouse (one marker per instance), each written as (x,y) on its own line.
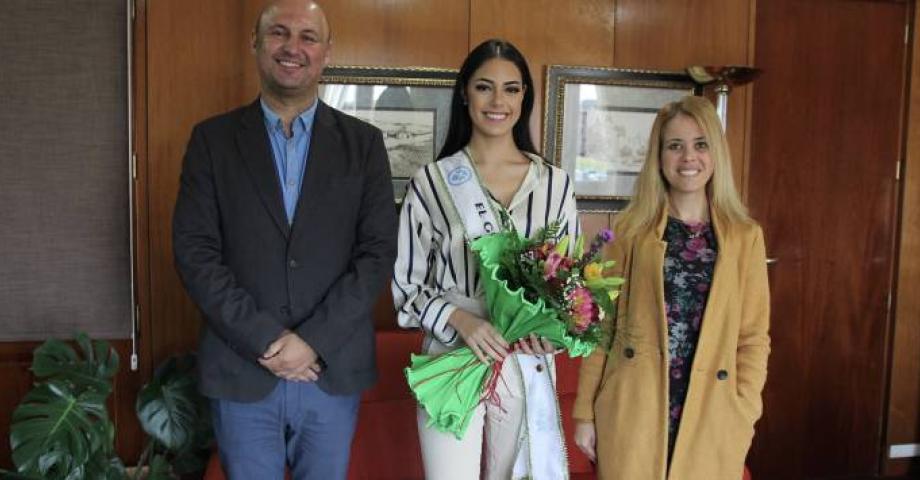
(435,269)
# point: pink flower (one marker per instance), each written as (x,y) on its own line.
(696,244)
(551,265)
(582,308)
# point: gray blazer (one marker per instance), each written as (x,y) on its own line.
(252,275)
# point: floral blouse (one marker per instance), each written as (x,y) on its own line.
(688,266)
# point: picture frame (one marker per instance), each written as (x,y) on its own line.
(410,105)
(597,124)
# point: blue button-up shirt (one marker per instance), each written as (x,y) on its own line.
(290,154)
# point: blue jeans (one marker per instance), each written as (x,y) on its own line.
(297,425)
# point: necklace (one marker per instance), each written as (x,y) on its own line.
(695,230)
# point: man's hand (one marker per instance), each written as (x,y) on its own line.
(290,358)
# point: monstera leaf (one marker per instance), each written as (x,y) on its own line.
(169,407)
(61,430)
(57,433)
(56,360)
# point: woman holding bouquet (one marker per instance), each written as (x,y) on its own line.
(677,393)
(487,173)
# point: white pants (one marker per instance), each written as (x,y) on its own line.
(446,458)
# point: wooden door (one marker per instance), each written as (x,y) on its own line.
(825,146)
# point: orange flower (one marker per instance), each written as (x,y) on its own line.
(593,271)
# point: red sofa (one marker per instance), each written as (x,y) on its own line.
(386,442)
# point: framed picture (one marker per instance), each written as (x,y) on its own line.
(411,106)
(598,122)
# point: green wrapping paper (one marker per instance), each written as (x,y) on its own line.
(450,385)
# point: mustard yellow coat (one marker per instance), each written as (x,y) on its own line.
(625,390)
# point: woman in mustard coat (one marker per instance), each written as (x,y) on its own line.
(677,393)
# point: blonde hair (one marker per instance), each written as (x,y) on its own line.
(651,197)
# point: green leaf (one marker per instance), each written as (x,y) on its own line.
(159,469)
(78,473)
(55,432)
(105,467)
(8,475)
(168,407)
(194,457)
(563,245)
(56,360)
(604,283)
(103,441)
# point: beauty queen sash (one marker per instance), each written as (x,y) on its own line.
(541,453)
(472,207)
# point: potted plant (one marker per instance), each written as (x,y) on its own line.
(62,430)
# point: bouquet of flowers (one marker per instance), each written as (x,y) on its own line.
(531,286)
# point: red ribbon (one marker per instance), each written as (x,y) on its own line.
(490,388)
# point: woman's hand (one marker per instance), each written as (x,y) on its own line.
(586,439)
(534,346)
(482,338)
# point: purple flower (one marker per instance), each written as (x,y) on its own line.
(675,373)
(602,237)
(606,234)
(688,255)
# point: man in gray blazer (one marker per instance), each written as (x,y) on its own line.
(284,235)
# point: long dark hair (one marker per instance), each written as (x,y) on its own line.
(461,126)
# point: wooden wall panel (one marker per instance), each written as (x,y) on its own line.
(903,424)
(535,27)
(594,222)
(674,34)
(404,33)
(824,148)
(194,71)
